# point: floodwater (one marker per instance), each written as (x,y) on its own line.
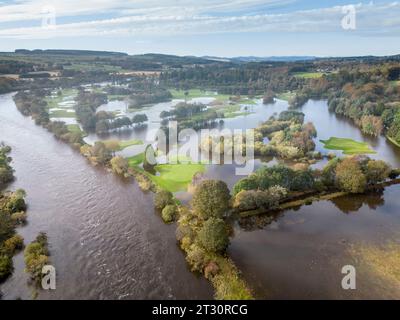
(299,254)
(106,240)
(108,243)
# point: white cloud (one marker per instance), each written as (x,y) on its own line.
(147,18)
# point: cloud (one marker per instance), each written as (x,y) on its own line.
(147,18)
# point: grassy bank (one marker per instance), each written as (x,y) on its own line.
(348,146)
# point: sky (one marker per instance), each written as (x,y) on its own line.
(204,27)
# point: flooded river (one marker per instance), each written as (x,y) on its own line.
(105,239)
(107,242)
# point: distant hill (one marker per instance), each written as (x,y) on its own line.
(262,59)
(70,52)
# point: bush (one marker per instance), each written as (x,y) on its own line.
(169,213)
(377,171)
(213,236)
(349,176)
(13,244)
(197,258)
(249,183)
(162,199)
(6,266)
(211,199)
(119,165)
(36,257)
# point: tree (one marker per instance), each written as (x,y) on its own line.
(162,199)
(213,236)
(169,213)
(211,199)
(249,183)
(6,266)
(101,153)
(377,171)
(349,176)
(139,119)
(112,145)
(119,165)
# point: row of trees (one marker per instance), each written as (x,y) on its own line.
(6,171)
(266,187)
(12,214)
(105,125)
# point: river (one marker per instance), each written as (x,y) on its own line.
(106,240)
(299,254)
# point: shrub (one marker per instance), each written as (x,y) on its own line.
(119,165)
(349,176)
(213,236)
(19,217)
(197,258)
(13,244)
(211,199)
(169,213)
(249,183)
(162,199)
(6,266)
(36,257)
(377,171)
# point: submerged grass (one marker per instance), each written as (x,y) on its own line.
(288,95)
(62,114)
(348,146)
(384,261)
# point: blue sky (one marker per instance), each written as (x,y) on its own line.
(204,27)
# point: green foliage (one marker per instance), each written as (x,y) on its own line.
(36,256)
(139,119)
(6,266)
(255,199)
(377,171)
(169,213)
(162,199)
(6,172)
(350,177)
(13,244)
(119,165)
(249,183)
(213,236)
(211,199)
(292,115)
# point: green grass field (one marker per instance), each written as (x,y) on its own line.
(124,143)
(176,177)
(171,177)
(76,128)
(62,114)
(197,93)
(348,146)
(308,75)
(52,102)
(135,161)
(288,95)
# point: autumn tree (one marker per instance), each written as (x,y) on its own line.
(211,199)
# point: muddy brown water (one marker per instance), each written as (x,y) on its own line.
(105,239)
(108,243)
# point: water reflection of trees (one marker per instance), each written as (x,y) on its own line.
(347,204)
(258,222)
(353,203)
